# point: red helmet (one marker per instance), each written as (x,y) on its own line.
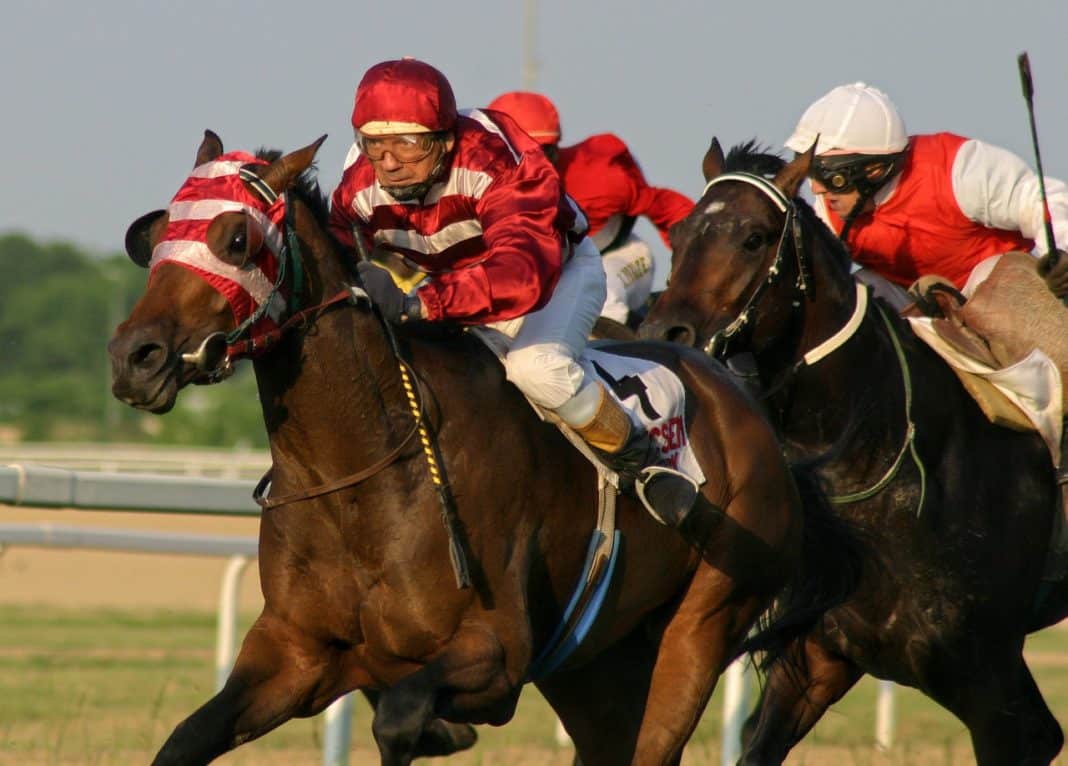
(403,96)
(533,112)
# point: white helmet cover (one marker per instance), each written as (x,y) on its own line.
(856,118)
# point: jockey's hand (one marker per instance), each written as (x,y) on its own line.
(1056,276)
(393,304)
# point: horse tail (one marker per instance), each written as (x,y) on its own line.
(826,575)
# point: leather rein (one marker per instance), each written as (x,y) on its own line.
(240,342)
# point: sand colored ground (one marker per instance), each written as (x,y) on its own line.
(103,578)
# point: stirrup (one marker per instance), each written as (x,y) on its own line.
(682,499)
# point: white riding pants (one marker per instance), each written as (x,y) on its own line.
(629,271)
(545,344)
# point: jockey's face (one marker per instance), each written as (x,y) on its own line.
(841,204)
(408,160)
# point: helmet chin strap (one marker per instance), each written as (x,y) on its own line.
(418,191)
(858,206)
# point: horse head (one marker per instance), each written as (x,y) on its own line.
(221,272)
(741,264)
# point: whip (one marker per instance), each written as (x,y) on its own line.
(1029,92)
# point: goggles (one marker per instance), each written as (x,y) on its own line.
(405,147)
(843,173)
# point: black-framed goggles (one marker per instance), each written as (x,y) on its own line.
(866,173)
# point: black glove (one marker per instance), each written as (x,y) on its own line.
(394,305)
(1053,267)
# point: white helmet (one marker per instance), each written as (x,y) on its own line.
(856,118)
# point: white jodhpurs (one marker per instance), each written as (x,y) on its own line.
(629,272)
(541,359)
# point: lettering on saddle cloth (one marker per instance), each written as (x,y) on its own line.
(655,399)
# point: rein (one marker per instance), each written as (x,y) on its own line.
(717,343)
(259,494)
(290,259)
(909,445)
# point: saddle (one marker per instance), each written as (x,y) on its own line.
(1010,319)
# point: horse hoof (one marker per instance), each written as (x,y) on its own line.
(444,738)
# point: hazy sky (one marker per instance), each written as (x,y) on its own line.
(104,103)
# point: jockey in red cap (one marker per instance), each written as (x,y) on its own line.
(603,177)
(472,201)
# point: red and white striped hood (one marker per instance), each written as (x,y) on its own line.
(214,188)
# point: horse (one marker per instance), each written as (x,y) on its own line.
(956,511)
(356,569)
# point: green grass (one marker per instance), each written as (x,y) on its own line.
(105,687)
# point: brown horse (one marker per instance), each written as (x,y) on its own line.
(357,579)
(956,511)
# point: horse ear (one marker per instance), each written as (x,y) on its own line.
(714,160)
(139,237)
(282,172)
(210,148)
(790,177)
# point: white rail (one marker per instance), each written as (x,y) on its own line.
(137,458)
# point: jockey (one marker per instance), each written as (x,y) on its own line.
(602,176)
(910,206)
(472,201)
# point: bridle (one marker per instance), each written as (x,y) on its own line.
(240,342)
(717,344)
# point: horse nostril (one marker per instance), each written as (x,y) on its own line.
(149,355)
(682,334)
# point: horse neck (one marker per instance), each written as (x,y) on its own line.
(818,404)
(330,379)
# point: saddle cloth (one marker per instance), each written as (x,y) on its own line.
(651,394)
(1000,344)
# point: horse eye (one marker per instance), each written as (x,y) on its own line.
(753,242)
(239,243)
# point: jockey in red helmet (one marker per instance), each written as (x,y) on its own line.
(603,177)
(472,201)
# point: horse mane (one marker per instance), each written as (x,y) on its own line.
(751,157)
(833,244)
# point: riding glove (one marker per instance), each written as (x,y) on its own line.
(394,305)
(1056,276)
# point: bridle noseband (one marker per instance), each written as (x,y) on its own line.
(717,344)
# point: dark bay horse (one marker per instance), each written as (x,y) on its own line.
(357,578)
(957,511)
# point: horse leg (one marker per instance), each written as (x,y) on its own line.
(601,702)
(279,673)
(798,691)
(694,650)
(1002,707)
(468,680)
(440,737)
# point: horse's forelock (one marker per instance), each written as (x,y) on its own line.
(751,157)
